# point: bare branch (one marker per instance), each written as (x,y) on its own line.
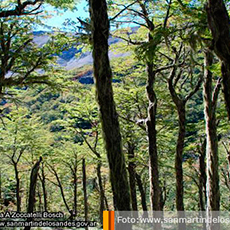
(13,58)
(96,140)
(134,122)
(166,56)
(129,40)
(198,85)
(88,144)
(177,78)
(168,67)
(20,8)
(216,91)
(125,8)
(130,21)
(146,16)
(167,14)
(60,186)
(225,146)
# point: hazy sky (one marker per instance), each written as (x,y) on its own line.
(60,16)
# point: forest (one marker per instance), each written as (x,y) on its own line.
(126,109)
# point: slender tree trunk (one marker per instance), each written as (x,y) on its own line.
(109,116)
(181,112)
(228,157)
(219,24)
(155,193)
(75,192)
(210,100)
(142,192)
(152,138)
(163,195)
(84,190)
(106,201)
(132,177)
(151,120)
(225,69)
(18,197)
(179,158)
(32,192)
(44,191)
(151,129)
(101,190)
(202,180)
(59,184)
(39,198)
(179,163)
(202,177)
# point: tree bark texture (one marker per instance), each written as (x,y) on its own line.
(102,192)
(32,191)
(151,120)
(179,157)
(181,112)
(44,191)
(132,177)
(18,197)
(202,180)
(210,101)
(39,198)
(152,139)
(75,193)
(59,184)
(109,116)
(202,176)
(219,24)
(84,190)
(142,192)
(180,105)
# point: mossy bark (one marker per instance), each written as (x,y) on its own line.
(210,101)
(108,113)
(219,24)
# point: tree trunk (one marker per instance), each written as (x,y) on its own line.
(17,186)
(43,181)
(132,179)
(210,101)
(219,24)
(179,163)
(164,194)
(75,192)
(62,191)
(181,112)
(109,116)
(151,129)
(202,180)
(101,190)
(179,157)
(32,192)
(84,190)
(39,198)
(142,192)
(151,120)
(202,177)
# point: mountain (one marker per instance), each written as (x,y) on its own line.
(68,58)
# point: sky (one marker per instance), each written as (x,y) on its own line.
(60,16)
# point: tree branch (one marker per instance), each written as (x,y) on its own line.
(20,9)
(198,85)
(167,14)
(125,8)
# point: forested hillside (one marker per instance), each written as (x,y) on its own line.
(128,109)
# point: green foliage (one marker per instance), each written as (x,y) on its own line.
(62,124)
